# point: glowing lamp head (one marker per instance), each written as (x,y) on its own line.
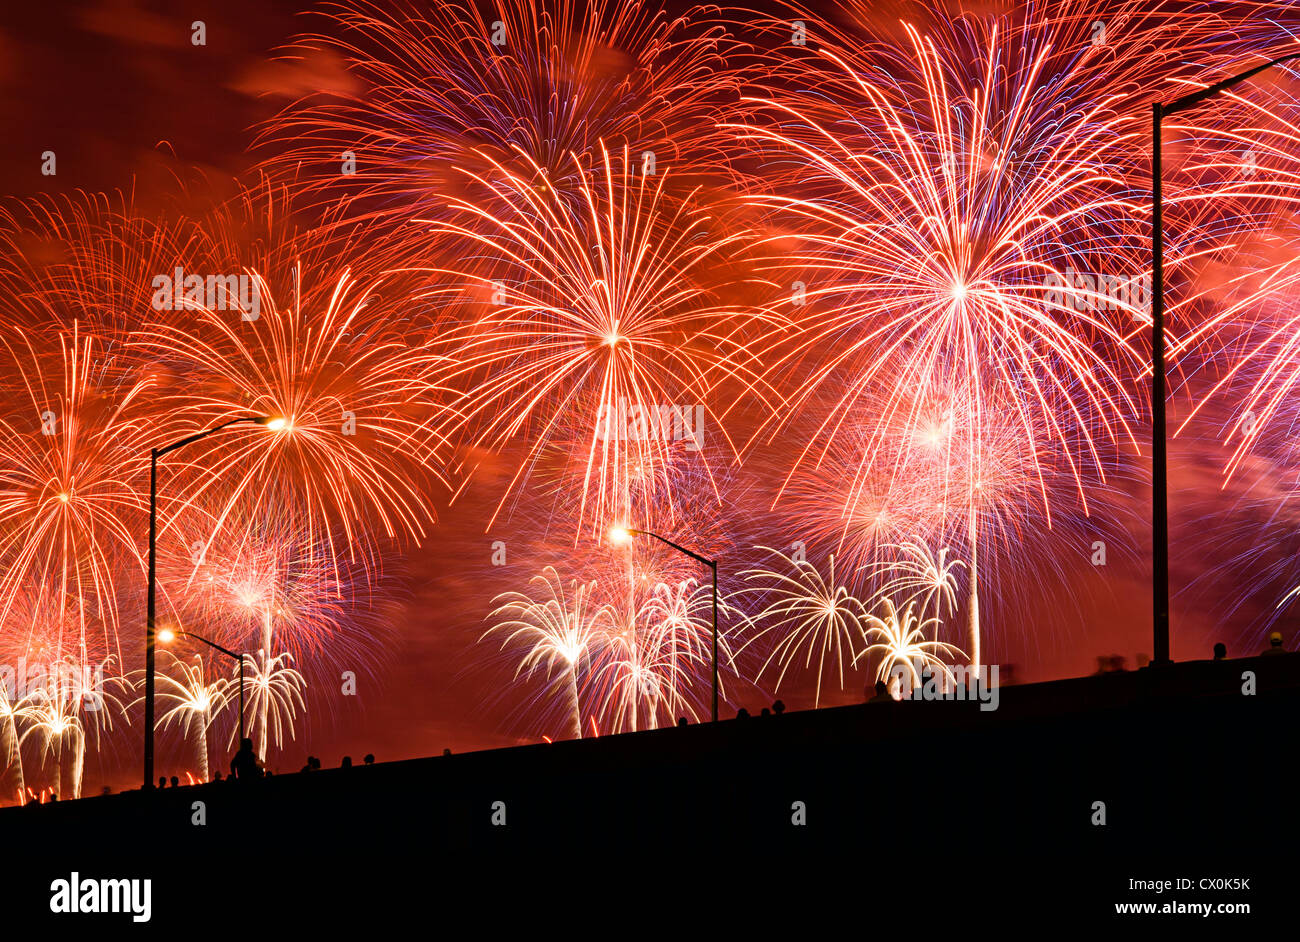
(619,535)
(275,423)
(166,636)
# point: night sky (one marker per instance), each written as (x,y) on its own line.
(116,89)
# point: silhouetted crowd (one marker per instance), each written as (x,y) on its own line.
(245,765)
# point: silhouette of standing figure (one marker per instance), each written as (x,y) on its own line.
(244,765)
(1274,643)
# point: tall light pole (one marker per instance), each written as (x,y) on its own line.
(1159,449)
(271,422)
(622,534)
(166,635)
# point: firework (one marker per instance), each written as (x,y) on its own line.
(75,440)
(678,620)
(274,692)
(255,581)
(611,304)
(555,630)
(309,344)
(805,613)
(931,258)
(66,704)
(917,573)
(899,639)
(195,702)
(9,742)
(438,90)
(87,259)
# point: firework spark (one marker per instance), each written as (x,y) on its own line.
(554,630)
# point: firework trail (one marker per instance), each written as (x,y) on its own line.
(317,348)
(554,629)
(900,640)
(75,438)
(435,90)
(808,613)
(918,573)
(947,183)
(612,303)
(195,703)
(254,580)
(9,742)
(69,701)
(274,692)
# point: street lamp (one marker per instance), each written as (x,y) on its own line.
(166,636)
(621,534)
(1159,451)
(274,424)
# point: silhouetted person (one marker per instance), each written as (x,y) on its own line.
(1220,651)
(162,781)
(765,712)
(347,763)
(1274,644)
(1103,664)
(176,781)
(244,765)
(742,714)
(369,759)
(882,693)
(682,721)
(54,796)
(779,707)
(1117,663)
(218,778)
(446,752)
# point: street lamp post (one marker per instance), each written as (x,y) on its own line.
(272,423)
(1159,449)
(165,635)
(619,534)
